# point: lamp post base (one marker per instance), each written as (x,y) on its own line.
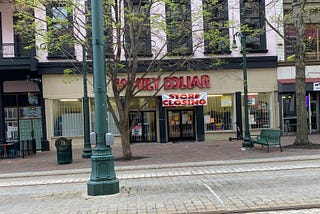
(108,187)
(103,179)
(86,153)
(246,143)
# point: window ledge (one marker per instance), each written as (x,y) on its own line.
(217,52)
(257,51)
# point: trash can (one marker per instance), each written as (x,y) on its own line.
(64,150)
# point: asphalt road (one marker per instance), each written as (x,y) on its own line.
(275,185)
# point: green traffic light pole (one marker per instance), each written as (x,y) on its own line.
(246,140)
(87,152)
(103,179)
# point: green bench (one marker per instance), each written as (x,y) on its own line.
(267,137)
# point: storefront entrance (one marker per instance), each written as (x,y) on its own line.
(181,125)
(24,123)
(313,112)
(289,114)
(144,126)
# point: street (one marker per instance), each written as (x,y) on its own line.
(275,185)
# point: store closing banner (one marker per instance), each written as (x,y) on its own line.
(183,99)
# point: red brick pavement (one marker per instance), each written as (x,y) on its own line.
(156,153)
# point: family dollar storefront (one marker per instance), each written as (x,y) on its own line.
(174,114)
(198,106)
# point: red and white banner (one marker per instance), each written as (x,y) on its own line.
(183,99)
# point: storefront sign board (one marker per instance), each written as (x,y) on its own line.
(316,86)
(184,99)
(172,82)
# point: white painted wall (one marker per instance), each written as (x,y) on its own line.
(289,72)
(7,23)
(7,29)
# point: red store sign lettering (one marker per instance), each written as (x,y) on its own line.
(173,82)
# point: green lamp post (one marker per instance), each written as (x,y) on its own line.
(246,140)
(87,152)
(103,179)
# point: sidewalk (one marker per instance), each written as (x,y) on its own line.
(156,153)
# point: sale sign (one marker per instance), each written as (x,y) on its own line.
(183,99)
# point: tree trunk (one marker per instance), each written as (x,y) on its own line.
(125,142)
(302,126)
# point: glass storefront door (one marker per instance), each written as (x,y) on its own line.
(289,114)
(143,126)
(23,123)
(181,125)
(11,124)
(313,112)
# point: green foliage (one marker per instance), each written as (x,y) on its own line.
(70,75)
(291,58)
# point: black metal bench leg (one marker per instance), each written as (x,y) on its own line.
(280,147)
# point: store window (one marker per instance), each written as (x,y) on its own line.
(218,113)
(67,117)
(143,103)
(112,127)
(289,113)
(259,110)
(11,124)
(143,121)
(22,117)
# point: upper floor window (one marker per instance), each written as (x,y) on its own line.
(108,36)
(22,39)
(137,28)
(312,30)
(253,24)
(216,26)
(60,41)
(179,27)
(311,41)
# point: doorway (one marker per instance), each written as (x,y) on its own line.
(181,125)
(143,126)
(312,101)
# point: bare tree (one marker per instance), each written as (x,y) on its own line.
(295,19)
(298,23)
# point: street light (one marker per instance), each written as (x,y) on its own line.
(103,180)
(246,140)
(87,152)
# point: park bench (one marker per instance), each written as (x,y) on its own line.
(267,137)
